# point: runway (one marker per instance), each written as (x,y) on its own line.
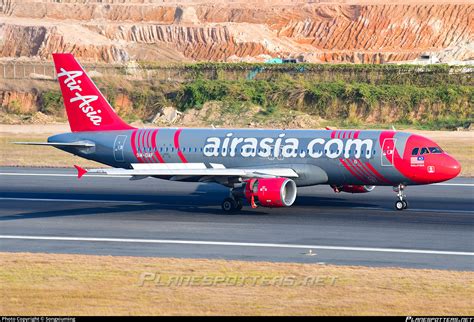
(49,210)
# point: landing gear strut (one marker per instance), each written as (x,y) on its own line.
(401,203)
(232,203)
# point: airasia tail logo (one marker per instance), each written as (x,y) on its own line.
(73,84)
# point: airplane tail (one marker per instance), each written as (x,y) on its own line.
(86,107)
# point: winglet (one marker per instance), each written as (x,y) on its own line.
(80,171)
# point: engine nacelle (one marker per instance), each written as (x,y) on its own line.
(270,192)
(353,188)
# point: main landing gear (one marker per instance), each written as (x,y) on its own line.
(401,203)
(234,202)
(231,205)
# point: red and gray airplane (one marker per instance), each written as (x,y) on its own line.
(262,166)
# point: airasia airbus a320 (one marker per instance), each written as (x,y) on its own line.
(262,166)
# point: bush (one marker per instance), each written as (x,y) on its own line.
(51,103)
(333,99)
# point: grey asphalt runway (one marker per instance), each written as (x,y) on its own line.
(49,210)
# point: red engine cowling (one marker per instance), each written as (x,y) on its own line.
(353,188)
(271,192)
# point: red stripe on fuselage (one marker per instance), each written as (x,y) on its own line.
(157,153)
(134,145)
(176,145)
(142,138)
(359,166)
(150,146)
(348,168)
(379,176)
(355,164)
(368,167)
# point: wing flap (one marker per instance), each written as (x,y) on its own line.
(249,173)
(195,170)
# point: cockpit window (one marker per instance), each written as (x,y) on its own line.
(435,150)
(424,151)
(415,151)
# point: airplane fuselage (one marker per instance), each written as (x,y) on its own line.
(334,157)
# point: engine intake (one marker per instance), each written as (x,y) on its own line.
(353,188)
(271,192)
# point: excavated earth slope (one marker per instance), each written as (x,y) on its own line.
(336,31)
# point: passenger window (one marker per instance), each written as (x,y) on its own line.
(436,150)
(415,151)
(424,151)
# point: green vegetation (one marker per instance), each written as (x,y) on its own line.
(51,102)
(425,97)
(447,106)
(422,75)
(14,106)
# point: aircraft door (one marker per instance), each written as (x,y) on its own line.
(118,147)
(388,151)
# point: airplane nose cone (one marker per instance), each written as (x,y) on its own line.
(452,167)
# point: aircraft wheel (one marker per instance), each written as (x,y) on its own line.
(399,205)
(239,204)
(229,205)
(405,204)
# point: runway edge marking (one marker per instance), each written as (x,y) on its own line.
(71,200)
(241,244)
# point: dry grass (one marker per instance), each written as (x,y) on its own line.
(37,156)
(36,284)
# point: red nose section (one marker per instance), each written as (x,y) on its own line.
(451,167)
(424,162)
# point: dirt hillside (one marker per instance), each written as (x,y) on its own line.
(161,30)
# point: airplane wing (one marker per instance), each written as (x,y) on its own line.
(180,171)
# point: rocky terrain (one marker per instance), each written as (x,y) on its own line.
(370,31)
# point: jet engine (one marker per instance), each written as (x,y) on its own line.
(353,188)
(270,192)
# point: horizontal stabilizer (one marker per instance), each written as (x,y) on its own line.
(71,144)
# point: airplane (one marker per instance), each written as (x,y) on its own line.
(263,166)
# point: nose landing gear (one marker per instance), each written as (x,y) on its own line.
(401,203)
